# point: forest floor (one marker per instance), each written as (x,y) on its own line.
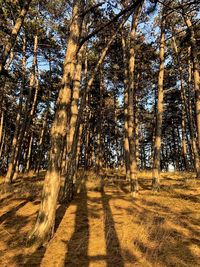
(107,228)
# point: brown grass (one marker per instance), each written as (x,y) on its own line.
(107,227)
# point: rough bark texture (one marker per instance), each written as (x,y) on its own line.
(75,100)
(44,226)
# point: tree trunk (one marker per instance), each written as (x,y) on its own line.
(183,125)
(44,227)
(195,61)
(75,101)
(41,140)
(13,36)
(13,156)
(68,185)
(184,107)
(159,114)
(126,78)
(137,143)
(194,147)
(20,132)
(28,161)
(99,126)
(131,106)
(1,125)
(2,143)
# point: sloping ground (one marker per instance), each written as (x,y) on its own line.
(108,228)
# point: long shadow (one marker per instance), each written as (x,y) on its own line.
(11,212)
(77,252)
(113,248)
(60,212)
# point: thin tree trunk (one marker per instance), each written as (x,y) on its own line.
(12,159)
(99,127)
(126,142)
(184,108)
(1,125)
(79,145)
(28,161)
(115,126)
(183,126)
(13,36)
(159,113)
(41,140)
(19,135)
(195,62)
(137,121)
(2,143)
(131,106)
(194,147)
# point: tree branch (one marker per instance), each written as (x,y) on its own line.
(85,12)
(129,8)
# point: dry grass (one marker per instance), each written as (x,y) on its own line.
(93,181)
(108,227)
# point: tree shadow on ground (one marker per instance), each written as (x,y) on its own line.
(77,252)
(113,248)
(78,244)
(11,212)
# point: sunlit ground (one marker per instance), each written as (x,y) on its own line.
(108,228)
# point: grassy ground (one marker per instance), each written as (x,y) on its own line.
(107,228)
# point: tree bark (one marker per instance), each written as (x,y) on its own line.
(184,107)
(137,130)
(28,160)
(131,106)
(68,185)
(75,100)
(41,140)
(126,78)
(194,147)
(15,31)
(159,113)
(44,227)
(99,126)
(1,125)
(195,61)
(2,143)
(21,131)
